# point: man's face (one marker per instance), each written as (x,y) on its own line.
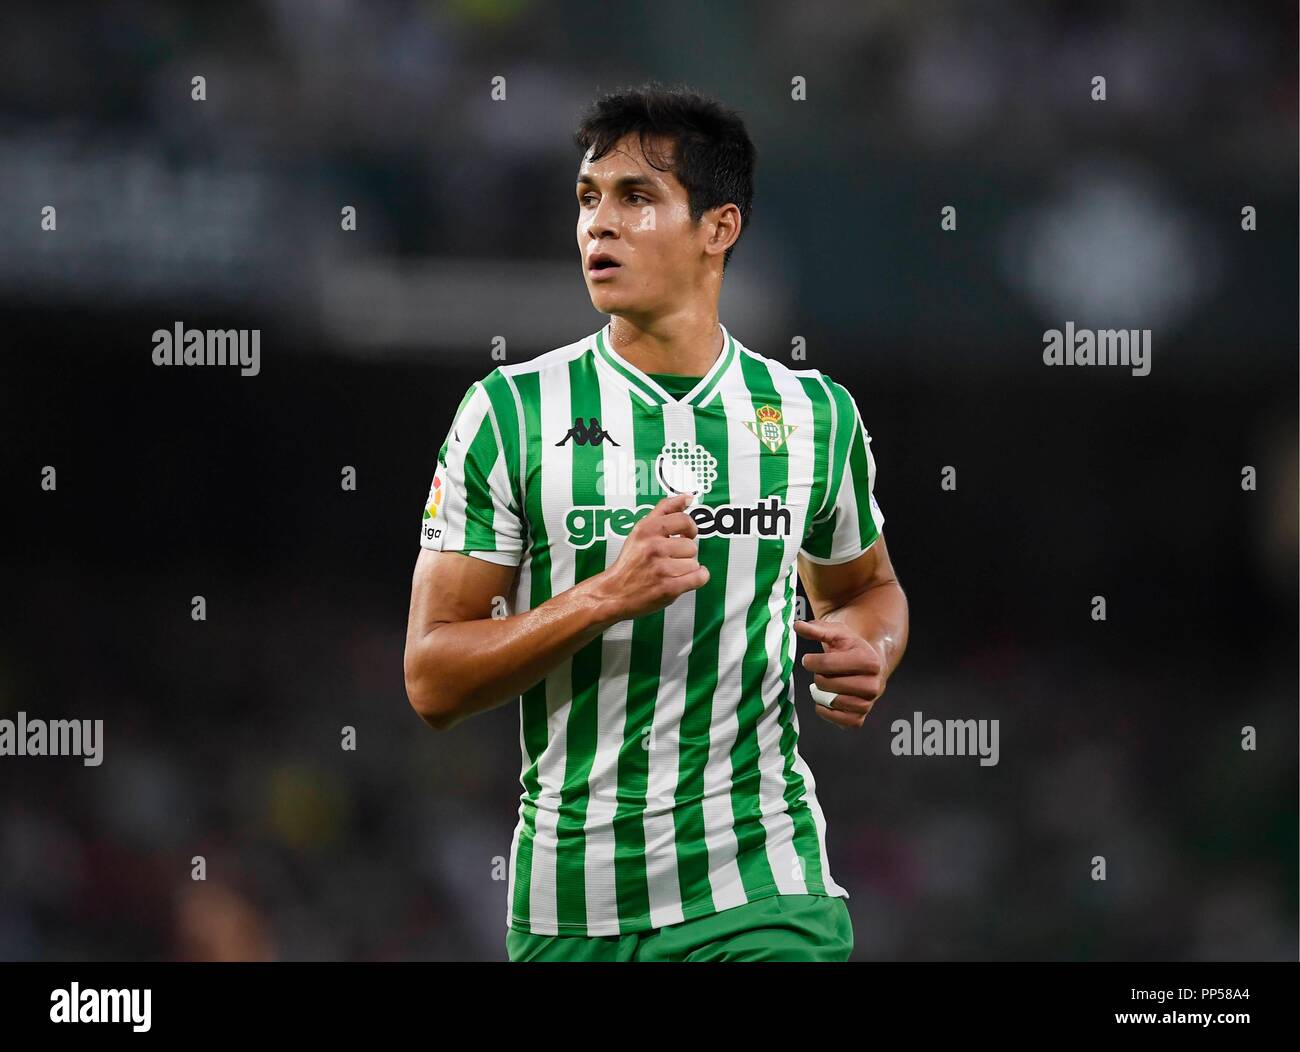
(638,217)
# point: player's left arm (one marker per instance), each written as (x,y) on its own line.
(860,614)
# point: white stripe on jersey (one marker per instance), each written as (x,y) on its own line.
(611,692)
(670,703)
(557,495)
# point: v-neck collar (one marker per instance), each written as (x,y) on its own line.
(652,392)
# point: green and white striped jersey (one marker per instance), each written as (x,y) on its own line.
(661,777)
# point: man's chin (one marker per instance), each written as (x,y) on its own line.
(607,301)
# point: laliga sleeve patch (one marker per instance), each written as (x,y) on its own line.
(433,527)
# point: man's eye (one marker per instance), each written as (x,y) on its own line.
(584,198)
(637,196)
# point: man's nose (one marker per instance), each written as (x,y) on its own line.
(604,220)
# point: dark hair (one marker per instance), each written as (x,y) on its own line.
(713,157)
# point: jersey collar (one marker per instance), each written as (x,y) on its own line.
(651,392)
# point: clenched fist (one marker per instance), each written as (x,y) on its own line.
(849,667)
(658,562)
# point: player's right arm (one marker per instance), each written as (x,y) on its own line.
(461,660)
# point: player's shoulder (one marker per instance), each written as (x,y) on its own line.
(502,384)
(818,385)
(814,381)
(547,361)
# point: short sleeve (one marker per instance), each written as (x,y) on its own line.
(472,506)
(851,519)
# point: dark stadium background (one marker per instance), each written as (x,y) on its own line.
(222,738)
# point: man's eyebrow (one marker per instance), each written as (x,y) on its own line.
(621,183)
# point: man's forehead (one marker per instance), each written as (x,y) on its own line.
(626,157)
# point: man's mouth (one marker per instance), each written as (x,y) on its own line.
(601,262)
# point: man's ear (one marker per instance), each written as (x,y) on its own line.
(726,226)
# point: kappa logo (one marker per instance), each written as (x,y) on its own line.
(590,433)
(768,428)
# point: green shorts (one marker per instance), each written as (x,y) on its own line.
(777,928)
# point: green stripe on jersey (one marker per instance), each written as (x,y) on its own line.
(755,870)
(631,884)
(711,431)
(570,873)
(532,703)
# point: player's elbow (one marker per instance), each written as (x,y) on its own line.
(437,708)
(429,695)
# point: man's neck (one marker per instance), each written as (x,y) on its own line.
(686,346)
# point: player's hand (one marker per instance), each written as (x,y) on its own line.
(658,562)
(848,667)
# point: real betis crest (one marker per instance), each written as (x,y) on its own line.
(768,428)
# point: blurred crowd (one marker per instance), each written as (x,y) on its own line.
(227,748)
